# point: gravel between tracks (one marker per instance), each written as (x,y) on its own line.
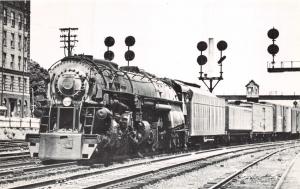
(266,173)
(199,178)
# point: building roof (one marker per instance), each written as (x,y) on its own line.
(252,82)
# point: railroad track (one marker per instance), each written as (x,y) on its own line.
(237,173)
(14,155)
(31,172)
(286,172)
(141,173)
(258,173)
(13,149)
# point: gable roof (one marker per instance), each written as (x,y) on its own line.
(253,83)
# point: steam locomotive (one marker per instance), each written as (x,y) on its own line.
(96,107)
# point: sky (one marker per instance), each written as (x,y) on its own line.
(167,33)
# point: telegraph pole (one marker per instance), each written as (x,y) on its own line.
(68,39)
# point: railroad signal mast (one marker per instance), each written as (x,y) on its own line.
(129,54)
(68,39)
(273,49)
(202,59)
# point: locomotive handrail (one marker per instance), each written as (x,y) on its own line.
(125,73)
(99,71)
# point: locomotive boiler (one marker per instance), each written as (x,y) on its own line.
(95,107)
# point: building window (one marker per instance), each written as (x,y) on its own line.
(12,63)
(4,82)
(20,22)
(11,86)
(19,84)
(19,42)
(4,39)
(12,41)
(25,44)
(19,62)
(5,16)
(3,59)
(25,64)
(13,19)
(25,84)
(25,24)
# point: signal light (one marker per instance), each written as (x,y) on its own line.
(273,33)
(273,49)
(109,42)
(201,60)
(222,45)
(129,55)
(109,55)
(202,46)
(130,41)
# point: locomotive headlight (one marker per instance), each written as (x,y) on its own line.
(67,101)
(67,83)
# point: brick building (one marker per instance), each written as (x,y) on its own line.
(15,54)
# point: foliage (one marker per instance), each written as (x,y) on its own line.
(39,78)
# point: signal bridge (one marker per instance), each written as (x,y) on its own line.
(252,94)
(285,66)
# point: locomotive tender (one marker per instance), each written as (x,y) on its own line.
(96,107)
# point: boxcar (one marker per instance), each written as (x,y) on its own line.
(206,114)
(262,117)
(295,114)
(278,118)
(287,123)
(238,119)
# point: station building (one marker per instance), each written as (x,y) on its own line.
(14,56)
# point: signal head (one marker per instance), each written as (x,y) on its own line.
(129,55)
(130,41)
(222,45)
(273,49)
(202,46)
(109,41)
(273,33)
(109,55)
(202,60)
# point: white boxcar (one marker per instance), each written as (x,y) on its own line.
(295,120)
(206,114)
(287,122)
(278,118)
(262,117)
(238,118)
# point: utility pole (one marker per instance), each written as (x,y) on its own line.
(68,39)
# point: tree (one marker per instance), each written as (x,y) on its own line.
(39,78)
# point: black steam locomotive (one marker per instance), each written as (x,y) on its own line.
(96,107)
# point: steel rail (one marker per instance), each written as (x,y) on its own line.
(230,177)
(99,172)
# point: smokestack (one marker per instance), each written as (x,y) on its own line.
(211,57)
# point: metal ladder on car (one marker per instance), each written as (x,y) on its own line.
(89,119)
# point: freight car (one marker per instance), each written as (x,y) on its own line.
(97,109)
